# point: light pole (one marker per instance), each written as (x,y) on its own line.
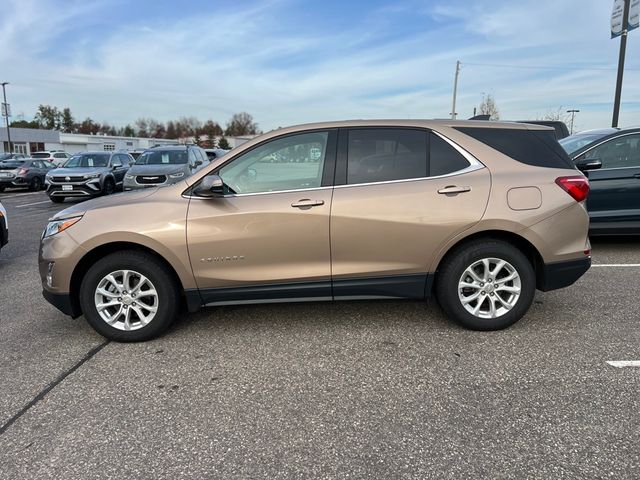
(623,49)
(573,114)
(6,113)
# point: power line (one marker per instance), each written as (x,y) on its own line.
(542,67)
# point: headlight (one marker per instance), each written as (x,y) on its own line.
(129,177)
(91,175)
(57,226)
(176,175)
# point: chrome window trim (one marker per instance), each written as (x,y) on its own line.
(474,165)
(573,159)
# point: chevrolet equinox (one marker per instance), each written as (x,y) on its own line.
(481,214)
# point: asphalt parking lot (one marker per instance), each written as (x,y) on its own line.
(385,389)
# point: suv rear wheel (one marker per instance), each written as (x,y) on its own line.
(109,187)
(129,296)
(486,285)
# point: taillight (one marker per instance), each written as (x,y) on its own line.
(577,186)
(23,171)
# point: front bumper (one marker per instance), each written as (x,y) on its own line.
(562,274)
(63,302)
(86,189)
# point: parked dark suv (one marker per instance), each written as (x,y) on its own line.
(26,173)
(88,174)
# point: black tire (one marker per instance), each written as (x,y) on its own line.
(2,189)
(57,199)
(160,276)
(36,184)
(109,187)
(455,264)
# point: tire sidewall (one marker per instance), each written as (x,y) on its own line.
(149,267)
(448,286)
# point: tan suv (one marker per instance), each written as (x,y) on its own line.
(479,213)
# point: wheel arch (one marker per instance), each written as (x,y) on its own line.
(518,241)
(101,251)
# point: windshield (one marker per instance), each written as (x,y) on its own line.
(12,163)
(40,155)
(88,160)
(4,156)
(167,157)
(576,142)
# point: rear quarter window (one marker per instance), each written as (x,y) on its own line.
(532,147)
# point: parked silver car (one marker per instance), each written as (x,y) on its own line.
(165,165)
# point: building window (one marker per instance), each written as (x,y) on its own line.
(17,147)
(108,147)
(129,144)
(36,147)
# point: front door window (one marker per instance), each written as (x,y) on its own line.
(289,163)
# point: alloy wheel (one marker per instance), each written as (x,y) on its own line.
(489,288)
(126,300)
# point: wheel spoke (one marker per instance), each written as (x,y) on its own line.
(492,307)
(143,280)
(476,309)
(471,298)
(147,293)
(505,288)
(112,303)
(470,272)
(487,271)
(504,303)
(499,265)
(469,285)
(110,278)
(508,278)
(104,292)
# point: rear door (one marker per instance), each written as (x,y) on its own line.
(400,195)
(268,237)
(614,199)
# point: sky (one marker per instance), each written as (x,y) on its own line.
(291,61)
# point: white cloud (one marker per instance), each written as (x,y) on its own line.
(251,58)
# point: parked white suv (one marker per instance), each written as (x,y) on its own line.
(55,156)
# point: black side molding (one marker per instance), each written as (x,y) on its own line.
(562,274)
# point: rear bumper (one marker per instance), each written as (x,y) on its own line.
(562,274)
(63,302)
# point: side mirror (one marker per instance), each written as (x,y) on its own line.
(198,163)
(585,164)
(210,186)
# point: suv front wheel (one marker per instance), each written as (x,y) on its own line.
(129,296)
(486,285)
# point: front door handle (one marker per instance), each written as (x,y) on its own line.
(453,189)
(306,203)
(637,175)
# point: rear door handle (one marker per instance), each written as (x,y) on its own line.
(306,203)
(453,189)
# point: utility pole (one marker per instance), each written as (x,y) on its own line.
(623,49)
(573,114)
(455,91)
(6,114)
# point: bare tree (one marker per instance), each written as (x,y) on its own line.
(559,115)
(489,107)
(241,124)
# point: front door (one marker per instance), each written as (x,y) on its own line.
(614,199)
(268,237)
(405,193)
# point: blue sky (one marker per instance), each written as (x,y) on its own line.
(289,62)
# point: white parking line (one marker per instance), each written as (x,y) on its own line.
(624,363)
(34,203)
(4,197)
(616,265)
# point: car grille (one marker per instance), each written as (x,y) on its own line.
(68,178)
(151,179)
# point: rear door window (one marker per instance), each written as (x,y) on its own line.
(380,154)
(532,147)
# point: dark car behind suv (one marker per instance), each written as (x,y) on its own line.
(87,175)
(27,173)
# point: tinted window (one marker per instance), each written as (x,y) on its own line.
(286,163)
(378,155)
(443,158)
(576,142)
(619,152)
(12,163)
(40,155)
(48,164)
(116,162)
(37,164)
(533,147)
